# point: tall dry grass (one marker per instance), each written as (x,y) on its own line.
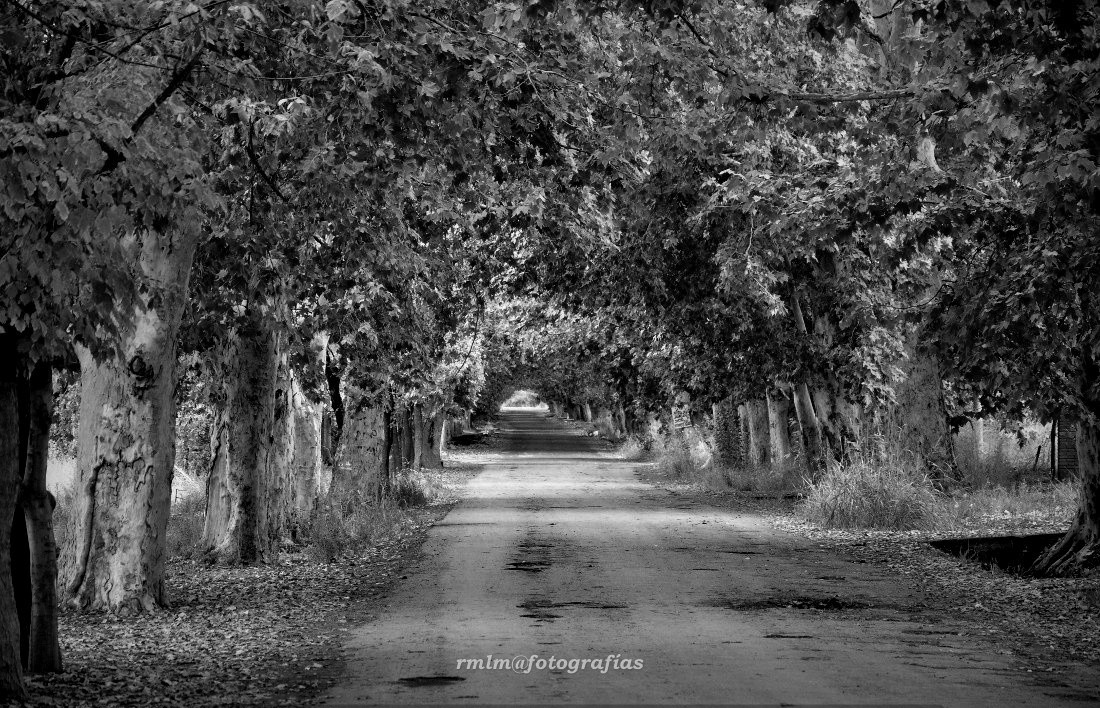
(872,491)
(691,460)
(1051,503)
(345,523)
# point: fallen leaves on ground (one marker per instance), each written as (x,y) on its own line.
(253,635)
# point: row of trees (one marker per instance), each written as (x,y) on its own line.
(880,215)
(312,198)
(850,203)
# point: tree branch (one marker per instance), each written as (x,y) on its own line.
(855,97)
(259,169)
(173,85)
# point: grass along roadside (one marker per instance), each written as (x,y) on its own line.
(886,491)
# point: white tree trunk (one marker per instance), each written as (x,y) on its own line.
(127,444)
(298,444)
(778,432)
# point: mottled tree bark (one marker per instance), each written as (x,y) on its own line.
(756,417)
(127,443)
(361,465)
(778,432)
(297,444)
(727,433)
(810,426)
(244,496)
(840,422)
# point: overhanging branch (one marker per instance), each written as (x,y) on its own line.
(847,97)
(178,78)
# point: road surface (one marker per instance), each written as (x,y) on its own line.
(561,553)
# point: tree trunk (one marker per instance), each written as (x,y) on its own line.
(778,432)
(1079,549)
(244,497)
(41,651)
(811,429)
(364,447)
(804,407)
(403,444)
(840,422)
(417,425)
(631,422)
(11,467)
(431,440)
(127,444)
(332,425)
(922,415)
(388,472)
(756,414)
(297,443)
(727,433)
(307,467)
(621,421)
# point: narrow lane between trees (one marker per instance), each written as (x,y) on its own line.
(560,552)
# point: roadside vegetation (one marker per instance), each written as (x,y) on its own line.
(880,485)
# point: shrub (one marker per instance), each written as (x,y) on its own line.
(675,461)
(408,492)
(870,493)
(341,525)
(348,521)
(634,449)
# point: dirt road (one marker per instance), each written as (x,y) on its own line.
(561,553)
